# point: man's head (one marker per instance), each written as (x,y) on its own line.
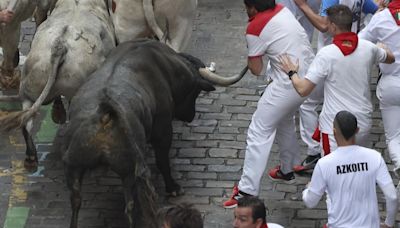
(345,128)
(340,19)
(250,213)
(182,216)
(255,6)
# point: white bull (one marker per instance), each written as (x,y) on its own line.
(66,49)
(10,32)
(169,20)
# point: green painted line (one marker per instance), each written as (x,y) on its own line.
(48,128)
(16,217)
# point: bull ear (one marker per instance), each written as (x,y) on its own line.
(206,86)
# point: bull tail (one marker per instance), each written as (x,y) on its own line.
(18,119)
(145,193)
(151,20)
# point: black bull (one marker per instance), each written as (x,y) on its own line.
(128,102)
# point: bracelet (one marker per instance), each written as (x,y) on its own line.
(291,73)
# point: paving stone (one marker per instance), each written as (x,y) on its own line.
(208,161)
(311,213)
(224,168)
(225,153)
(192,152)
(201,175)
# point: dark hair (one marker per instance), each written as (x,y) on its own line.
(346,123)
(257,207)
(260,5)
(341,16)
(183,216)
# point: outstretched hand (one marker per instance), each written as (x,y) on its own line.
(286,63)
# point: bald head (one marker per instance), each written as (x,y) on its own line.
(345,124)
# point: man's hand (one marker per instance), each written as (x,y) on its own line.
(6,16)
(286,63)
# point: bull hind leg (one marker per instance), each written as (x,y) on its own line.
(74,182)
(31,160)
(58,113)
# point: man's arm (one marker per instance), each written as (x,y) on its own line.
(391,204)
(303,86)
(255,65)
(315,189)
(310,199)
(318,21)
(389,54)
(385,183)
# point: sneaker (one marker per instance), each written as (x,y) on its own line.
(277,175)
(308,163)
(233,201)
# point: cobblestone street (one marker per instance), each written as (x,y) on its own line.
(206,155)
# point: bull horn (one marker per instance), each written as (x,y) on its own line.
(220,80)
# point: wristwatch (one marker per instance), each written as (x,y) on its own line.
(291,73)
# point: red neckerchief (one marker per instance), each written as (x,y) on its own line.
(394,8)
(264,225)
(258,22)
(346,42)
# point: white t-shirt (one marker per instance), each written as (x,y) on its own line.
(346,82)
(274,225)
(382,28)
(349,176)
(275,32)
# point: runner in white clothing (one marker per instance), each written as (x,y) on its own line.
(384,27)
(272,31)
(349,176)
(308,110)
(344,67)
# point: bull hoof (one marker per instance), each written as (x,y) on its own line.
(31,165)
(10,79)
(58,113)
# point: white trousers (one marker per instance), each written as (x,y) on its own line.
(274,117)
(388,93)
(309,119)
